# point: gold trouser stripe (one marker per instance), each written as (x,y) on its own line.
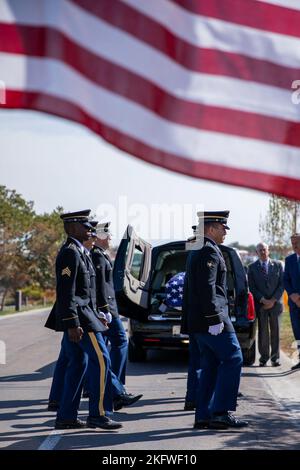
(102,372)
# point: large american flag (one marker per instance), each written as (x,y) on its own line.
(201,87)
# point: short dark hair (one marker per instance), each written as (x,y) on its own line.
(207,225)
(68,227)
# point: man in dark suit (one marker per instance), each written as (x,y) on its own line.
(266,284)
(209,326)
(106,302)
(75,313)
(292,286)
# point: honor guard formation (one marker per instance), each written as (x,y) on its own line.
(86,311)
(93,355)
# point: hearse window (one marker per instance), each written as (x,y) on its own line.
(168,264)
(136,267)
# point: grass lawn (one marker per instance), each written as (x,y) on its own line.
(11,309)
(287,340)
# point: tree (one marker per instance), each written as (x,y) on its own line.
(28,245)
(16,216)
(46,236)
(281,221)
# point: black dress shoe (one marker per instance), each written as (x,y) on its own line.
(296,366)
(126,399)
(53,405)
(70,424)
(102,422)
(189,406)
(275,363)
(262,364)
(201,424)
(225,421)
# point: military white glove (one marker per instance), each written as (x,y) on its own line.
(108,316)
(101,315)
(105,315)
(216,329)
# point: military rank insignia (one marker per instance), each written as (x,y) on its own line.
(66,272)
(210,264)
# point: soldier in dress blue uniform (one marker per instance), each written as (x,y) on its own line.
(120,397)
(75,313)
(106,302)
(194,358)
(210,328)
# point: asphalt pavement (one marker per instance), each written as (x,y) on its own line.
(270,401)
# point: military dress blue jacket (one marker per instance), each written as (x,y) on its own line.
(205,292)
(106,298)
(75,291)
(291,278)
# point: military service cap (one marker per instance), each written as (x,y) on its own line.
(103,228)
(214,216)
(193,237)
(94,224)
(80,216)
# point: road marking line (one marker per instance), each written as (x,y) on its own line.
(52,440)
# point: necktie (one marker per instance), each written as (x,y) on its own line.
(264,269)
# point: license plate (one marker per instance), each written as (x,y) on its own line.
(176,330)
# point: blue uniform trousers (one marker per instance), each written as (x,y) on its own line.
(59,378)
(193,370)
(221,364)
(90,351)
(118,347)
(59,375)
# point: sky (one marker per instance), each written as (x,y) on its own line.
(55,162)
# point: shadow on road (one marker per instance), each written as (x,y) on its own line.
(268,374)
(176,362)
(266,431)
(40,374)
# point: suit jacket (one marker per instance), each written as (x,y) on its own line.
(267,287)
(106,298)
(205,292)
(75,292)
(291,278)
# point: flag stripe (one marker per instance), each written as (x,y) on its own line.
(169,137)
(207,93)
(237,46)
(294,4)
(249,13)
(182,40)
(213,118)
(214,90)
(288,187)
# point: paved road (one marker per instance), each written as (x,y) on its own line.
(271,401)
